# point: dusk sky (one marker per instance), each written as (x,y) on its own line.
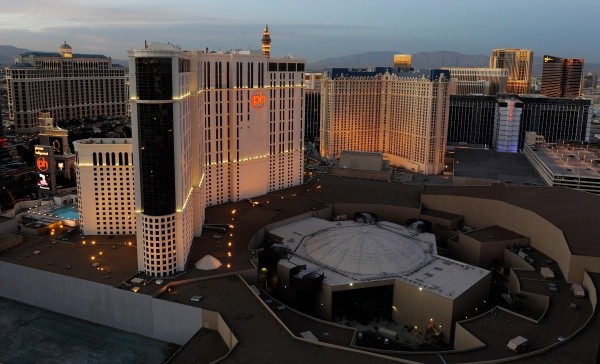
(307,29)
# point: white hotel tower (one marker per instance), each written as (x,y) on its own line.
(252,115)
(169,190)
(208,128)
(403,117)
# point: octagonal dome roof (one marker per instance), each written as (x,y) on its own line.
(366,250)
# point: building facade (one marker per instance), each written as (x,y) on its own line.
(403,61)
(501,122)
(519,63)
(105,186)
(401,115)
(471,120)
(561,77)
(169,185)
(483,81)
(252,116)
(312,104)
(565,164)
(590,81)
(69,85)
(208,128)
(556,118)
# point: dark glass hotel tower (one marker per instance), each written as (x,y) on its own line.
(169,196)
(561,77)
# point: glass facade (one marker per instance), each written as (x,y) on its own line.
(157,172)
(155,137)
(154,78)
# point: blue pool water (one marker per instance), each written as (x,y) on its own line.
(66,212)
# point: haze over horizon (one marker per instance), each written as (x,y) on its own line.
(309,29)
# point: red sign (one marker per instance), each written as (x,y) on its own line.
(258,100)
(42,164)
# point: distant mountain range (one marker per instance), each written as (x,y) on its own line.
(8,54)
(422,60)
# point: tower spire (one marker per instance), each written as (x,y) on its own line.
(266,41)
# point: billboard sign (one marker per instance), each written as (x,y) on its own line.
(44,162)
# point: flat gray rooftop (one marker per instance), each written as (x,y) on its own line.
(570,160)
(493,233)
(511,168)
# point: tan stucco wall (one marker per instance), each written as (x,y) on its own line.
(466,249)
(415,308)
(479,213)
(471,298)
(464,340)
(512,260)
(535,303)
(590,289)
(579,264)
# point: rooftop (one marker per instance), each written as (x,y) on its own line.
(357,250)
(569,160)
(493,233)
(566,208)
(347,250)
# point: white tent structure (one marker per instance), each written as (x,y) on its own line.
(208,262)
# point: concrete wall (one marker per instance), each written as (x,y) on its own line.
(469,299)
(514,261)
(543,235)
(580,264)
(8,226)
(513,283)
(590,289)
(214,321)
(495,250)
(7,241)
(464,340)
(466,249)
(100,303)
(416,307)
(535,303)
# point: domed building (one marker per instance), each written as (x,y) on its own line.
(352,270)
(72,86)
(65,50)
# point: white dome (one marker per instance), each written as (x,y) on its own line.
(365,250)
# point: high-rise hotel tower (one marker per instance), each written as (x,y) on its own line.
(519,63)
(208,128)
(68,85)
(561,77)
(169,195)
(402,115)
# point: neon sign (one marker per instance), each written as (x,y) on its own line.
(42,164)
(258,100)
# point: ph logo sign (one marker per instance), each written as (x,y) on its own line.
(258,100)
(42,164)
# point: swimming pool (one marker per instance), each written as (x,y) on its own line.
(66,212)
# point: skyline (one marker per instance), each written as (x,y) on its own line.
(309,30)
